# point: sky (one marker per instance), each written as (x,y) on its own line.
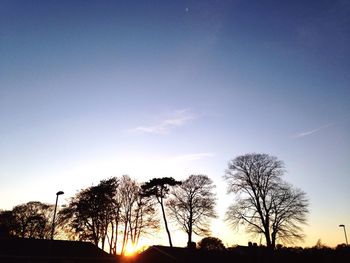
(94,89)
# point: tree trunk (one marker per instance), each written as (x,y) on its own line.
(125,237)
(110,242)
(189,236)
(190,228)
(94,235)
(268,238)
(267,231)
(166,224)
(116,237)
(273,240)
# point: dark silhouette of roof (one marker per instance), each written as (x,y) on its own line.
(41,250)
(160,254)
(241,254)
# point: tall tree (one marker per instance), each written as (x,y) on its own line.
(128,196)
(264,203)
(143,219)
(159,189)
(90,211)
(107,191)
(137,212)
(193,205)
(115,216)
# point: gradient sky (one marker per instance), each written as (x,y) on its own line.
(93,89)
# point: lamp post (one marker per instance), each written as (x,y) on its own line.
(346,238)
(54,214)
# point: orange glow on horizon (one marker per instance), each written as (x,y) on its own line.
(130,250)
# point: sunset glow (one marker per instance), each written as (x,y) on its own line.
(91,90)
(130,250)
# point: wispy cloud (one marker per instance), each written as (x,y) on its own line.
(311,132)
(178,118)
(193,156)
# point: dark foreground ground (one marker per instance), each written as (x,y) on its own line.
(23,250)
(18,250)
(159,254)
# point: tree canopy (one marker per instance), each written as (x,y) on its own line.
(211,243)
(103,212)
(159,188)
(193,205)
(119,211)
(264,203)
(29,220)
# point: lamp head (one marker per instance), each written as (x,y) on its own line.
(341,225)
(60,193)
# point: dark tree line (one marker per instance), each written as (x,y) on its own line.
(112,212)
(119,211)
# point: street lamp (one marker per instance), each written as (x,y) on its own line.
(54,214)
(346,238)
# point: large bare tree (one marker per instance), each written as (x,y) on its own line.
(138,215)
(264,203)
(128,194)
(193,205)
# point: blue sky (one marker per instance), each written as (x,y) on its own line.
(91,89)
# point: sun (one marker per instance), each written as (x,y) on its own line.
(130,250)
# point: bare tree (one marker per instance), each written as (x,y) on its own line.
(128,194)
(137,213)
(115,216)
(143,220)
(264,203)
(159,188)
(192,205)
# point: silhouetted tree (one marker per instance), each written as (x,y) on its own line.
(115,221)
(137,212)
(106,190)
(128,196)
(343,247)
(264,203)
(192,205)
(111,209)
(7,224)
(29,220)
(143,220)
(211,243)
(159,188)
(90,212)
